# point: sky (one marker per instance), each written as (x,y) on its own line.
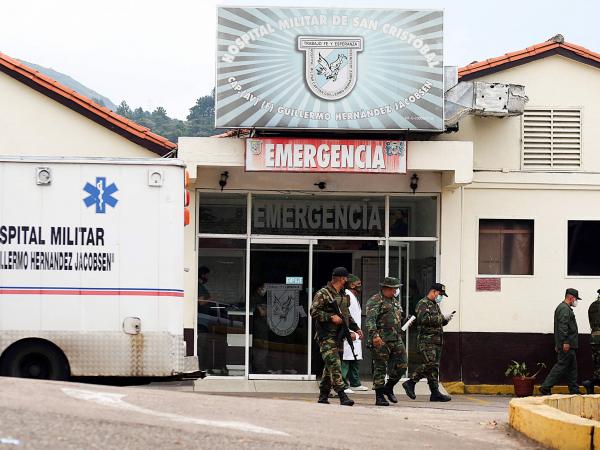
(162,53)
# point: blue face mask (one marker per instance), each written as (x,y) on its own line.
(439,298)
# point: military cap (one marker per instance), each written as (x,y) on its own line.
(573,292)
(340,272)
(353,278)
(439,287)
(390,282)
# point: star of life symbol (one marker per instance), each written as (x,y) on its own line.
(283,309)
(100,195)
(330,64)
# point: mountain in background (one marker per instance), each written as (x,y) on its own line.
(73,84)
(199,122)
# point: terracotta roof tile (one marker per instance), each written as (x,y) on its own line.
(136,132)
(534,50)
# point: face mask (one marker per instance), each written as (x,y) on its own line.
(397,292)
(439,298)
(575,303)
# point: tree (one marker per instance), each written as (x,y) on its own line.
(201,119)
(199,122)
(124,110)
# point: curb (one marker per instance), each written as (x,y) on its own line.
(556,421)
(458,388)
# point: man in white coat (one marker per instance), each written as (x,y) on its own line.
(350,366)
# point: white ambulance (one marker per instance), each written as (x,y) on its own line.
(91,267)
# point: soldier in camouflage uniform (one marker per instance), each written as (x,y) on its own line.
(594,317)
(384,322)
(325,310)
(430,321)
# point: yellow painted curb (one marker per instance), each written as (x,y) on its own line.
(541,419)
(458,387)
(454,387)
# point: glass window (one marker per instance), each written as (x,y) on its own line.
(505,247)
(318,215)
(222,306)
(413,216)
(222,213)
(584,248)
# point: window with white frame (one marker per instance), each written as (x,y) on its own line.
(583,248)
(551,138)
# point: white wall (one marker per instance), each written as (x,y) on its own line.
(34,124)
(526,303)
(554,81)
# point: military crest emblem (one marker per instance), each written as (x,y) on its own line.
(330,64)
(395,148)
(255,147)
(283,308)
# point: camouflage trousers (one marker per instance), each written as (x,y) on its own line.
(430,367)
(596,360)
(390,358)
(332,370)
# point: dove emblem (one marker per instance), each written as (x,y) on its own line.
(283,307)
(330,64)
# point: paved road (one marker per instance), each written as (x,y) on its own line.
(51,415)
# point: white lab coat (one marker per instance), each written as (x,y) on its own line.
(355,312)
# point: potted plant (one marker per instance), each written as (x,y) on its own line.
(522,380)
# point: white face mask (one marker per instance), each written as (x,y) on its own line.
(439,298)
(575,303)
(397,292)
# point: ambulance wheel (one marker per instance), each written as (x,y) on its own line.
(34,359)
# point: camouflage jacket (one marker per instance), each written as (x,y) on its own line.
(429,322)
(323,308)
(384,318)
(594,315)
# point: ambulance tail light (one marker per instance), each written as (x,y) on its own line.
(186,199)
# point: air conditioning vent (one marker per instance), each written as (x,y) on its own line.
(551,138)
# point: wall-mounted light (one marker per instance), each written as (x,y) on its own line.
(321,185)
(43,175)
(414,182)
(223,179)
(155,177)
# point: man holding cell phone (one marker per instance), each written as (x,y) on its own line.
(430,322)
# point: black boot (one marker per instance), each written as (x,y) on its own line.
(589,385)
(324,396)
(436,395)
(380,397)
(389,391)
(344,400)
(409,387)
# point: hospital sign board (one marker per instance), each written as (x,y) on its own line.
(325,155)
(319,68)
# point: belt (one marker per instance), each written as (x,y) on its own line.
(596,333)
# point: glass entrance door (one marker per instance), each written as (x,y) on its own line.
(280,287)
(414,263)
